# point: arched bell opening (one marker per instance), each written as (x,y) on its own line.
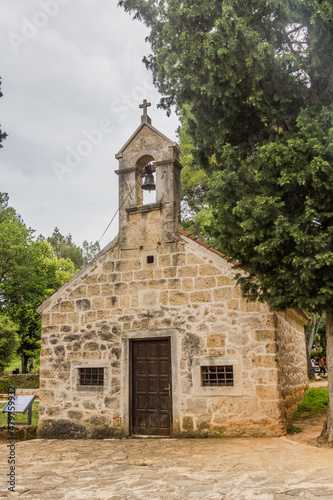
(145,180)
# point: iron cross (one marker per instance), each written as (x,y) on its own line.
(148,316)
(144,106)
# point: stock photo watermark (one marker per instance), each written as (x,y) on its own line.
(11,446)
(74,155)
(31,27)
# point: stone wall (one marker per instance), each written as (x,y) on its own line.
(192,297)
(290,338)
(21,433)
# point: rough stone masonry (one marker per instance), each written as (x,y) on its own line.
(155,281)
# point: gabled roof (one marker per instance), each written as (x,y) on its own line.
(146,124)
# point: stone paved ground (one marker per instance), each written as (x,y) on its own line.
(210,469)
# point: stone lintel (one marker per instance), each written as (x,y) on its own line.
(161,163)
(125,170)
(177,147)
(173,161)
(144,208)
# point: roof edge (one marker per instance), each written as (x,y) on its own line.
(205,245)
(146,124)
(302,313)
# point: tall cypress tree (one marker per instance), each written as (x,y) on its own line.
(257,78)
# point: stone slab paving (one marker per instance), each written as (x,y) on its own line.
(210,469)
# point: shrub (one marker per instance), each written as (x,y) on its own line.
(315,401)
(8,341)
(22,381)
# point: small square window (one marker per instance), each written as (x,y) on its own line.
(91,376)
(150,259)
(215,376)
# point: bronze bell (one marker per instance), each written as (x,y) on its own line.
(149,182)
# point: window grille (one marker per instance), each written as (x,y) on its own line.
(91,376)
(217,375)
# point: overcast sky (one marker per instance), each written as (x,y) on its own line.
(72,80)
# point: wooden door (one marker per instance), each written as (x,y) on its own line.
(151,387)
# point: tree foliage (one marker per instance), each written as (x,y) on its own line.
(90,250)
(31,269)
(245,68)
(253,81)
(29,273)
(8,341)
(273,212)
(194,187)
(65,248)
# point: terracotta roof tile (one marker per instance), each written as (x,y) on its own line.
(303,313)
(205,245)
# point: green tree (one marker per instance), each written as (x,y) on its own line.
(194,186)
(65,248)
(42,276)
(15,239)
(195,210)
(8,341)
(273,212)
(90,249)
(29,273)
(257,78)
(243,68)
(3,135)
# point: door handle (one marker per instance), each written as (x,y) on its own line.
(168,389)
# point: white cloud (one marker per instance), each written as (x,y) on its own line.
(73,72)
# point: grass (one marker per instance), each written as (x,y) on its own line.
(20,417)
(293,429)
(16,363)
(27,381)
(315,402)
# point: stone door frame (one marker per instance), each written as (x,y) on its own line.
(174,336)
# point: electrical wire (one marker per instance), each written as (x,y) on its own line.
(128,194)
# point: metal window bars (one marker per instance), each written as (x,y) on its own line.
(217,375)
(91,376)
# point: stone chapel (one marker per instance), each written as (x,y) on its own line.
(152,337)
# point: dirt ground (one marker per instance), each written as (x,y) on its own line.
(312,426)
